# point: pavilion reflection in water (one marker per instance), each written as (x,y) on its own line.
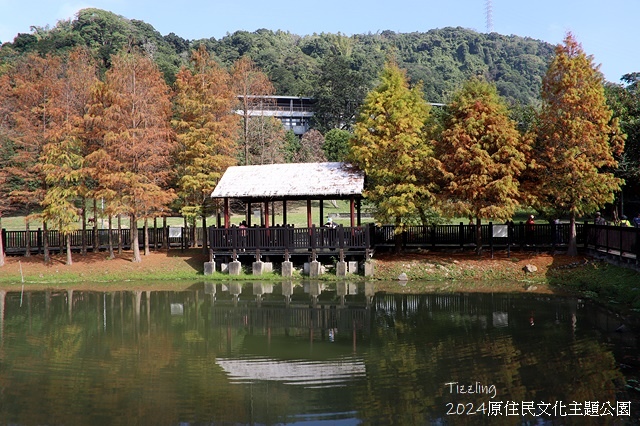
(290,331)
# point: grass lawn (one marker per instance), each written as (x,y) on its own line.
(296,215)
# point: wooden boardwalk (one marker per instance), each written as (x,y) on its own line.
(357,241)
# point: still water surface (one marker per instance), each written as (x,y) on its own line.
(311,353)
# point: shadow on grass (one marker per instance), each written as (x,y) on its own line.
(194,257)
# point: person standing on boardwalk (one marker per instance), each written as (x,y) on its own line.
(530,226)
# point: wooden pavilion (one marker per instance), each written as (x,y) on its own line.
(263,185)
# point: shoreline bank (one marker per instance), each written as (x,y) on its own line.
(425,271)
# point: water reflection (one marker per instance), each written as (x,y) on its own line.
(296,352)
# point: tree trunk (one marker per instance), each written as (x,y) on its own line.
(61,242)
(572,249)
(45,241)
(1,245)
(165,230)
(110,237)
(398,235)
(146,236)
(205,236)
(27,252)
(478,236)
(69,259)
(135,245)
(192,234)
(119,235)
(83,250)
(96,241)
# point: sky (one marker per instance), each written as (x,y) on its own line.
(609,30)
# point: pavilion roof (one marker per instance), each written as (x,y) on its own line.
(291,181)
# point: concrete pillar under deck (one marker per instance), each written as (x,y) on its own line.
(341,268)
(258,267)
(287,268)
(315,268)
(352,267)
(261,267)
(368,268)
(235,267)
(209,268)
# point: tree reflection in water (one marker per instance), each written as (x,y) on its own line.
(301,351)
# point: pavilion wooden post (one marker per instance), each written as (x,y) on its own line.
(321,212)
(352,212)
(249,213)
(266,214)
(226,212)
(284,212)
(359,212)
(309,221)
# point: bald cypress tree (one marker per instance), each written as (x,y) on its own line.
(481,155)
(206,128)
(576,138)
(390,146)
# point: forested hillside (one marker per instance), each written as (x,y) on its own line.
(442,58)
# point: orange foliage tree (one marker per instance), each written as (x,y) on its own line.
(481,155)
(133,160)
(576,138)
(37,115)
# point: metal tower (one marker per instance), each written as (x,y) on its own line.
(489,15)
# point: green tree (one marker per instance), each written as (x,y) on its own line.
(206,130)
(291,146)
(624,101)
(336,144)
(481,155)
(576,138)
(62,164)
(339,92)
(390,146)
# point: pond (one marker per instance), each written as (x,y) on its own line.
(312,353)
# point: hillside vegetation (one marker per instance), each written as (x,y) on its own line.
(441,58)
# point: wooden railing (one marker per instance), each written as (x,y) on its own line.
(289,238)
(621,241)
(15,242)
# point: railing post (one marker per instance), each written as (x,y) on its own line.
(491,238)
(637,245)
(367,236)
(509,237)
(285,231)
(433,235)
(620,243)
(461,235)
(586,233)
(38,240)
